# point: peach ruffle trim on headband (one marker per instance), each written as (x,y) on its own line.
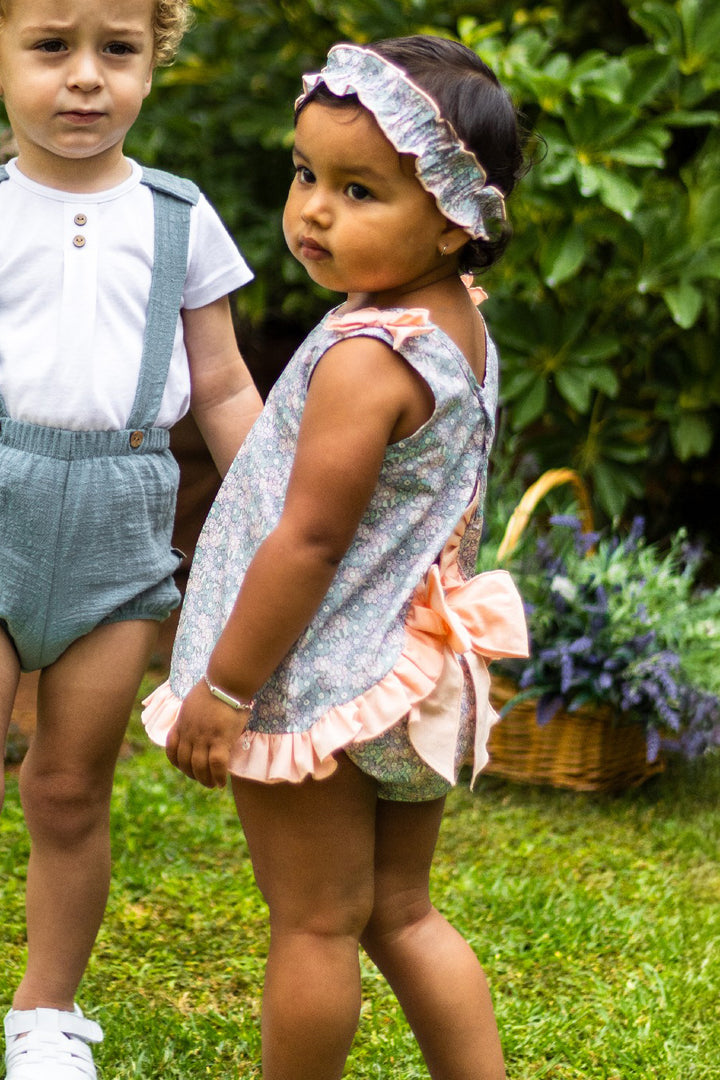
(481,619)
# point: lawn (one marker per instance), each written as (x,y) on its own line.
(596,918)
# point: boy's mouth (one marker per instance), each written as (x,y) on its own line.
(77,116)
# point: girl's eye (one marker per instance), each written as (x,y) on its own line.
(303,174)
(358,192)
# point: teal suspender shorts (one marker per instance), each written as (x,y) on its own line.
(86,517)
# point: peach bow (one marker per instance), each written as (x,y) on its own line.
(481,619)
(477,293)
(400,324)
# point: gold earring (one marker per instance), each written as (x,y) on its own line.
(443,250)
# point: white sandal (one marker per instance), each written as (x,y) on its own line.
(47,1044)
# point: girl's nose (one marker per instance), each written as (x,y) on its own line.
(316,208)
(85,72)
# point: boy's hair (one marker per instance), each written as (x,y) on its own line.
(170,21)
(472,100)
(171,18)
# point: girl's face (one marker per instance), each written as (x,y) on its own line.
(73,74)
(356,217)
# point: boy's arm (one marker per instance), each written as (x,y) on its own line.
(223,397)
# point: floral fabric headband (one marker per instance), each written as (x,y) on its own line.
(411,121)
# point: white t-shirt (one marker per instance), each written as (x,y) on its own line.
(72,313)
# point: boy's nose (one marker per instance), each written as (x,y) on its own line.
(85,73)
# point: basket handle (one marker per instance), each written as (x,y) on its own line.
(521,514)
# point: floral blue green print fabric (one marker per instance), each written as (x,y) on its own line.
(426,483)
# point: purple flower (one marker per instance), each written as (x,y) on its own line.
(589,647)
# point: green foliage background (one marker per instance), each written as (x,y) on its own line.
(606,306)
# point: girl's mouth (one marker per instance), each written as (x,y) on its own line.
(310,249)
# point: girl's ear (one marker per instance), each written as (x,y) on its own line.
(452,239)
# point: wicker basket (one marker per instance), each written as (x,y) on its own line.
(586,750)
(590,749)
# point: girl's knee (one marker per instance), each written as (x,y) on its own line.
(334,915)
(390,919)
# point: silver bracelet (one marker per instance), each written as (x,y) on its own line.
(228,699)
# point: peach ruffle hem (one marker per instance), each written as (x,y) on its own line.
(481,619)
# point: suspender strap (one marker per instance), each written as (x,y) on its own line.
(173,199)
(3,176)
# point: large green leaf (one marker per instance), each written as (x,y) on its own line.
(531,405)
(692,435)
(563,255)
(685,302)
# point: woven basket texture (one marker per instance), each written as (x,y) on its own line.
(587,750)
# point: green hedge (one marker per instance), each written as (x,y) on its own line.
(605,306)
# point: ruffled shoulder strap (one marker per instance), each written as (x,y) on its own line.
(400,323)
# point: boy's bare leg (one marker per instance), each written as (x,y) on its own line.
(9,677)
(84,701)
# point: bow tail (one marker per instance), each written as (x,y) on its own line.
(485,715)
(434,723)
(478,620)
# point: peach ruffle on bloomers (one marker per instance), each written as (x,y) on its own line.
(481,619)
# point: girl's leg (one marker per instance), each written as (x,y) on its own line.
(84,701)
(434,973)
(312,851)
(9,676)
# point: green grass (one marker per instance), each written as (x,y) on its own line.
(597,920)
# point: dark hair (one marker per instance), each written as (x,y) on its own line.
(472,100)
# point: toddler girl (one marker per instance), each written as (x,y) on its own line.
(114,317)
(332,651)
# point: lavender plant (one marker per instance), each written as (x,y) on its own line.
(617,622)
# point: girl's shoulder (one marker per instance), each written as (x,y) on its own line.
(396,324)
(412,333)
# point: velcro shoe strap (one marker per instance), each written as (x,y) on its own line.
(21,1021)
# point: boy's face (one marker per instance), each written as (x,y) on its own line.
(73,75)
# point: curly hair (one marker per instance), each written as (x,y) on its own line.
(170,20)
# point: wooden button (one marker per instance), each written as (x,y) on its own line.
(136,439)
(79,241)
(80,219)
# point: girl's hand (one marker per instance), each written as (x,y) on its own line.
(203,736)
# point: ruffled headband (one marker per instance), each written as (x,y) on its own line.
(411,121)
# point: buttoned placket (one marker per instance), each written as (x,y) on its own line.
(79,298)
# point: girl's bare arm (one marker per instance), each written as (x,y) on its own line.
(362,396)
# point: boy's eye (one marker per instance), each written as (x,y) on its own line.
(358,192)
(52,46)
(119,48)
(304,175)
